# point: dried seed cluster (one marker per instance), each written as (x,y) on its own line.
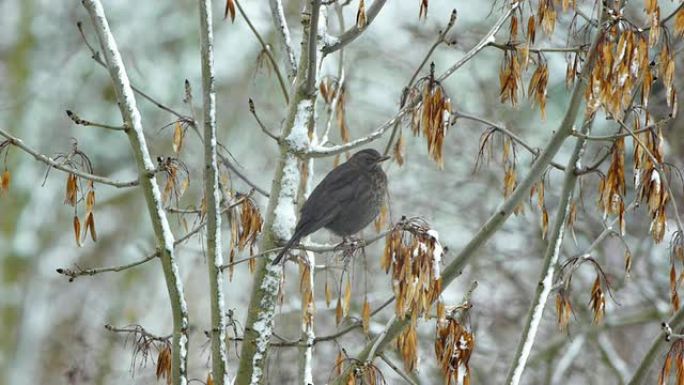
(78,160)
(612,187)
(454,344)
(432,115)
(177,179)
(674,356)
(363,373)
(246,224)
(413,255)
(5,177)
(597,301)
(648,158)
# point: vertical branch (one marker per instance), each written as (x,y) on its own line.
(317,28)
(219,356)
(534,316)
(160,224)
(305,364)
(281,211)
(552,252)
(285,40)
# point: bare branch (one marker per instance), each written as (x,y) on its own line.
(551,255)
(515,47)
(397,370)
(321,151)
(52,163)
(534,151)
(354,32)
(487,39)
(263,127)
(82,122)
(138,330)
(73,274)
(280,22)
(212,197)
(266,48)
(164,237)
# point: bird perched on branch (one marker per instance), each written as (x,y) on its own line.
(346,200)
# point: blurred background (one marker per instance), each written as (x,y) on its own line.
(53,330)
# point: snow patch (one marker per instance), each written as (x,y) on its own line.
(285,213)
(299,137)
(436,253)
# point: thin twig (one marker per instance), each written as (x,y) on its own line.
(82,122)
(261,124)
(267,49)
(138,330)
(52,163)
(354,32)
(534,151)
(441,38)
(321,151)
(73,274)
(397,370)
(488,38)
(516,47)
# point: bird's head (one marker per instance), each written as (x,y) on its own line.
(368,159)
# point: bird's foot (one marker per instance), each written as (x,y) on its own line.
(351,243)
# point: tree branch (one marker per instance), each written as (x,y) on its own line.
(655,351)
(352,33)
(212,197)
(269,54)
(487,39)
(52,163)
(281,209)
(82,122)
(164,237)
(261,124)
(551,255)
(280,22)
(321,151)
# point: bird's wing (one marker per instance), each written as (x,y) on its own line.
(329,197)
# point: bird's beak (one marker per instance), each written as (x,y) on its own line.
(384,158)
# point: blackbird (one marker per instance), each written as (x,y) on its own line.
(346,200)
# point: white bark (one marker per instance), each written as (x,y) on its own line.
(146,170)
(212,196)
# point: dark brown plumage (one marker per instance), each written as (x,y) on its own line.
(346,200)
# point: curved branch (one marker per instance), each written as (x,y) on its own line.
(352,33)
(52,163)
(320,151)
(486,40)
(269,54)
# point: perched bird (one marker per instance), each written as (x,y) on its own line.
(346,200)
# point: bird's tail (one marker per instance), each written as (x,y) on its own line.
(295,238)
